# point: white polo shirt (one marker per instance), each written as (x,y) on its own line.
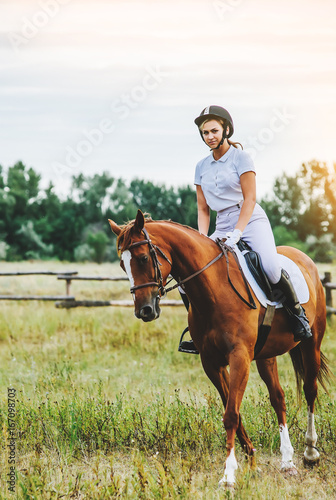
(220,180)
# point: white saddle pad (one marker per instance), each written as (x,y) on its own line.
(292,269)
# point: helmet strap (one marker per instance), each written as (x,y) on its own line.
(224,136)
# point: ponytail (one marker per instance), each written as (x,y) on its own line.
(234,144)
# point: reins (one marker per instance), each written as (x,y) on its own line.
(181,282)
(163,290)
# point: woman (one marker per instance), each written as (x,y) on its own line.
(225,182)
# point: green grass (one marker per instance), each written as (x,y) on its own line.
(107,407)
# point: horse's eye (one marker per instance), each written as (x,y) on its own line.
(143,259)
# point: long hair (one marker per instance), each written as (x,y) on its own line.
(224,124)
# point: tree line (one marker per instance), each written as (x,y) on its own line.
(36,223)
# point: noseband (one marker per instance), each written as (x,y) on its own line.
(153,249)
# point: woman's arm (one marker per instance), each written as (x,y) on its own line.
(203,212)
(248,184)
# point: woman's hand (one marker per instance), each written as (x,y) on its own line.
(233,237)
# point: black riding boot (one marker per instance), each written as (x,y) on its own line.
(299,320)
(186,345)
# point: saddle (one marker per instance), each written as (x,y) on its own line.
(255,266)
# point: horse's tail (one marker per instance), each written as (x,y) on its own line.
(324,375)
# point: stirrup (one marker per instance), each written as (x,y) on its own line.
(187,346)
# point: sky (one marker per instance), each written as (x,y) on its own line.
(88,86)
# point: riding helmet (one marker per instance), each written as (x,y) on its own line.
(215,112)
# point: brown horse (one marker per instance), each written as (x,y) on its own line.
(224,329)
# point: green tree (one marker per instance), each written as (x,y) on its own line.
(92,193)
(19,195)
(98,242)
(302,209)
(303,202)
(165,203)
(120,204)
(155,199)
(31,241)
(186,206)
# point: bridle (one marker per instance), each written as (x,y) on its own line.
(163,290)
(156,263)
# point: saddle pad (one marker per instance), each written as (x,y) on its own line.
(292,269)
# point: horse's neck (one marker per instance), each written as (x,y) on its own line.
(189,250)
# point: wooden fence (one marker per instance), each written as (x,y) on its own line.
(68,301)
(65,297)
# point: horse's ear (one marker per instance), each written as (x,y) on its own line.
(115,228)
(139,221)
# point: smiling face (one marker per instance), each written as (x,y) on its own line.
(212,132)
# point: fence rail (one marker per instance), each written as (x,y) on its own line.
(37,297)
(69,304)
(68,301)
(47,273)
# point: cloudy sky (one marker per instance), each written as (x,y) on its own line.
(93,85)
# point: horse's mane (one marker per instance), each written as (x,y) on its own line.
(124,238)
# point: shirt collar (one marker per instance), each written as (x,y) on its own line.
(224,157)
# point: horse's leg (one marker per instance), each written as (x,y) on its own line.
(312,362)
(268,371)
(239,363)
(220,379)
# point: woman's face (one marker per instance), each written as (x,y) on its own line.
(212,132)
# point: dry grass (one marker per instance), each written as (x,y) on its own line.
(107,407)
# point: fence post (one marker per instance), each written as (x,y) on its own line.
(327,279)
(67,286)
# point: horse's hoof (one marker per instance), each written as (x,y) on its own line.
(310,463)
(226,484)
(292,471)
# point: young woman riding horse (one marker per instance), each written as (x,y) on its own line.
(225,182)
(223,327)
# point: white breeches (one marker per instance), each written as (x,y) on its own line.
(258,234)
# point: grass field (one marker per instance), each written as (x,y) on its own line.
(107,408)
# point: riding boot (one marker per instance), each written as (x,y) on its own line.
(299,320)
(187,346)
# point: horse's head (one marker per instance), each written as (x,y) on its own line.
(139,259)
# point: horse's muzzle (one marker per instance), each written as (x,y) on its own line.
(149,311)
